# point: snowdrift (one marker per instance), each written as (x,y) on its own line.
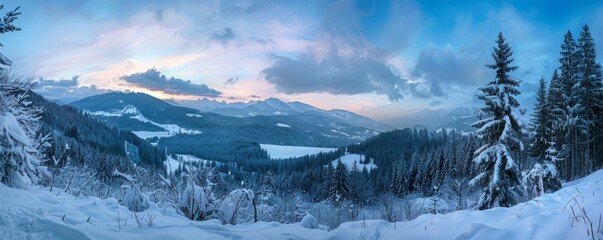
(39,214)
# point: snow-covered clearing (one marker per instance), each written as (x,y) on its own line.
(283,152)
(38,214)
(134,113)
(150,134)
(283,125)
(349,159)
(172,164)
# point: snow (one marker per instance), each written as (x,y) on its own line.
(39,214)
(283,125)
(282,151)
(349,159)
(134,113)
(172,164)
(150,134)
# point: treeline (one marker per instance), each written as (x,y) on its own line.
(568,116)
(82,138)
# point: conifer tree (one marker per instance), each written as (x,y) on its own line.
(539,127)
(341,186)
(572,120)
(498,128)
(543,176)
(589,80)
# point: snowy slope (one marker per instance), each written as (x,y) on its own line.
(39,214)
(282,152)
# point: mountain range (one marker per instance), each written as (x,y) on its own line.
(276,107)
(459,118)
(288,124)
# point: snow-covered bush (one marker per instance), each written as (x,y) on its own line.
(238,207)
(134,199)
(541,179)
(20,145)
(311,222)
(195,202)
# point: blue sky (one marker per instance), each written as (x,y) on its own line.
(379,58)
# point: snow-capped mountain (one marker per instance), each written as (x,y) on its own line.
(459,118)
(205,104)
(276,107)
(150,117)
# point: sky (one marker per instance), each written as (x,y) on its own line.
(378,58)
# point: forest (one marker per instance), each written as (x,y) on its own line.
(503,163)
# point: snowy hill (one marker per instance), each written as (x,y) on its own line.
(38,214)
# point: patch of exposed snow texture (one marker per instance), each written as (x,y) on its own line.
(172,164)
(349,159)
(38,214)
(283,125)
(283,152)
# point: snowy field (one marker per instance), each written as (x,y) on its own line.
(349,159)
(283,152)
(171,164)
(38,214)
(134,113)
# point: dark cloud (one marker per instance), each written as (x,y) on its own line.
(442,67)
(231,81)
(65,90)
(63,83)
(341,61)
(254,96)
(335,74)
(435,103)
(224,37)
(153,80)
(158,14)
(264,41)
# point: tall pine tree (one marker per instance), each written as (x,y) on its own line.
(589,80)
(499,127)
(543,176)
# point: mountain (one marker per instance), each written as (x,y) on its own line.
(205,104)
(276,107)
(87,140)
(204,134)
(459,118)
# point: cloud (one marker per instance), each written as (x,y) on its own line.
(153,80)
(341,60)
(224,37)
(231,81)
(254,96)
(435,103)
(442,67)
(334,74)
(63,83)
(65,90)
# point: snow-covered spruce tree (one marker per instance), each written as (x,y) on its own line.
(543,176)
(589,80)
(340,189)
(21,149)
(573,122)
(498,128)
(554,107)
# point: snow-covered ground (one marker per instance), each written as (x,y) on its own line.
(282,152)
(39,214)
(134,113)
(349,159)
(171,164)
